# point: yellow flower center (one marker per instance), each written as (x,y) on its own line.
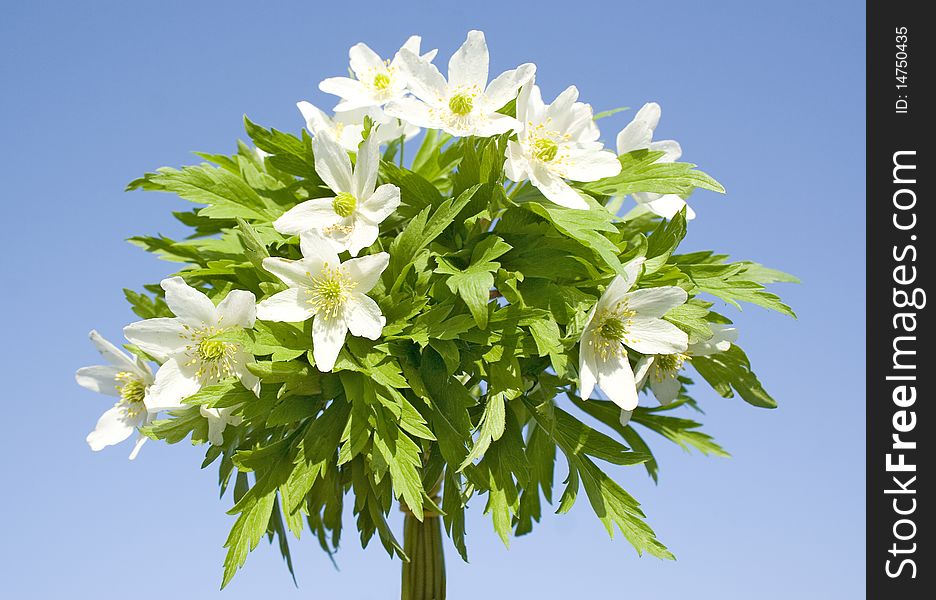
(381,81)
(461,104)
(344,204)
(545,149)
(667,366)
(213,358)
(613,329)
(132,391)
(329,291)
(211,350)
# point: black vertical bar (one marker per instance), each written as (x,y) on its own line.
(899,275)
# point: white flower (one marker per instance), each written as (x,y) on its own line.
(661,372)
(558,141)
(461,106)
(376,82)
(185,344)
(126,377)
(350,219)
(638,135)
(218,420)
(328,291)
(631,319)
(348,126)
(722,338)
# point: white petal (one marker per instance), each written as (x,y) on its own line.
(307,216)
(141,439)
(381,203)
(100,378)
(505,86)
(722,338)
(523,100)
(218,420)
(587,369)
(665,389)
(616,291)
(248,379)
(657,301)
(468,67)
(616,380)
(316,120)
(671,149)
(159,337)
(288,306)
(641,369)
(365,169)
(555,189)
(366,270)
(364,318)
(332,163)
(413,111)
(328,337)
(112,353)
(412,44)
(354,93)
(318,249)
(516,166)
(649,335)
(639,132)
(488,125)
(362,235)
(187,303)
(113,427)
(560,108)
(293,273)
(668,206)
(174,383)
(239,307)
(588,165)
(422,77)
(365,61)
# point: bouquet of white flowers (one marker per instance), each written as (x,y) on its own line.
(347,324)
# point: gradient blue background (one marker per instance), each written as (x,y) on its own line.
(768,97)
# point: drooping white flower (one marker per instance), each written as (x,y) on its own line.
(661,372)
(350,220)
(348,126)
(126,377)
(185,344)
(638,135)
(558,141)
(465,104)
(331,293)
(627,319)
(218,420)
(375,81)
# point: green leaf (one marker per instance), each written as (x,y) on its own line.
(226,195)
(402,456)
(731,370)
(246,534)
(607,113)
(422,229)
(490,429)
(729,283)
(289,153)
(641,173)
(664,240)
(585,226)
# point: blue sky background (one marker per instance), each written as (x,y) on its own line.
(768,97)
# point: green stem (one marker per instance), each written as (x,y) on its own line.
(424,574)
